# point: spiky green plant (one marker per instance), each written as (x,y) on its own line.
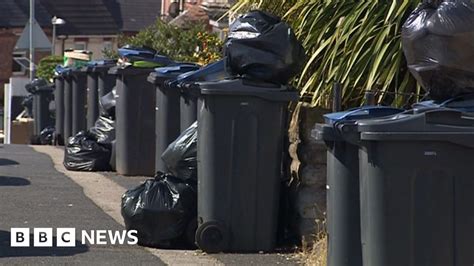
(355,43)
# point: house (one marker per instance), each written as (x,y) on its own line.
(95,25)
(90,24)
(215,10)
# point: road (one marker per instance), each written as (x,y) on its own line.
(37,191)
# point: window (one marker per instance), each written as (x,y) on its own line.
(108,45)
(19,65)
(80,46)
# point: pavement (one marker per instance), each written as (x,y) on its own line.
(37,191)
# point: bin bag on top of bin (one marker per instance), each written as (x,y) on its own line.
(181,155)
(261,46)
(162,210)
(438,42)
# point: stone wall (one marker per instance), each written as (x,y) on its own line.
(308,169)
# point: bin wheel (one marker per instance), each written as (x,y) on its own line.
(58,140)
(212,237)
(35,140)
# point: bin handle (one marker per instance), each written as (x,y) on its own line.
(449,117)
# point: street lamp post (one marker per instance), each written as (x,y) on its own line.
(55,21)
(32,45)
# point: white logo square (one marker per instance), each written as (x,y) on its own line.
(66,237)
(43,237)
(20,237)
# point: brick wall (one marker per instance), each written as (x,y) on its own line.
(8,39)
(7,44)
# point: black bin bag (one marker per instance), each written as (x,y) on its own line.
(84,153)
(46,136)
(103,130)
(260,46)
(162,210)
(438,42)
(180,156)
(107,104)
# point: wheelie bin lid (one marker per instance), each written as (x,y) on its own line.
(463,103)
(441,124)
(62,71)
(129,70)
(170,72)
(244,87)
(102,65)
(365,112)
(332,129)
(141,52)
(143,57)
(211,72)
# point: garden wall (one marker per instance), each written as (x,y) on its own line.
(308,168)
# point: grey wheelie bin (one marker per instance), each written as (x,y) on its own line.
(79,98)
(188,99)
(42,95)
(59,105)
(99,83)
(240,146)
(417,189)
(167,126)
(343,207)
(135,121)
(67,77)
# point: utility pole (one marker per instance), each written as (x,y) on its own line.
(32,45)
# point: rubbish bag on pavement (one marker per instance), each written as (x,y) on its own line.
(260,46)
(161,210)
(84,153)
(107,104)
(438,42)
(180,156)
(103,130)
(47,135)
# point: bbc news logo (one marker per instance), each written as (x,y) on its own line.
(66,237)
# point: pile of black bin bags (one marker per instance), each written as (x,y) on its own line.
(260,47)
(91,150)
(163,210)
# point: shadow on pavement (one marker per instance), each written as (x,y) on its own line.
(11,181)
(7,251)
(4,162)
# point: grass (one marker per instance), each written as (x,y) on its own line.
(316,255)
(314,251)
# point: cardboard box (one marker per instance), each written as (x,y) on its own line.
(21,131)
